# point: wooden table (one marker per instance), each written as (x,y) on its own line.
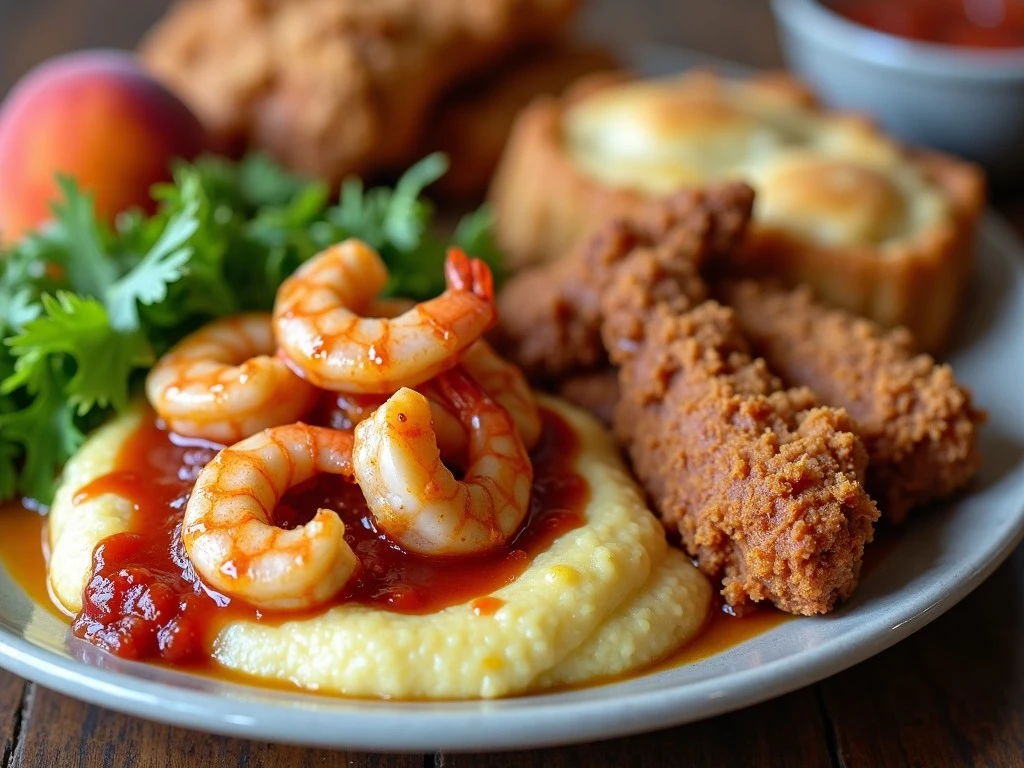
(953,694)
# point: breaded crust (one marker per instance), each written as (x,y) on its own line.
(334,87)
(919,426)
(764,486)
(551,315)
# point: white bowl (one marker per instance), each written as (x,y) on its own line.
(966,101)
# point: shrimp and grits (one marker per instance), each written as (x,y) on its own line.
(360,496)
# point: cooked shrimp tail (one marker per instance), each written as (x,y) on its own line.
(228,528)
(413,496)
(462,273)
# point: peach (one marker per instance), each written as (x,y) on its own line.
(95,116)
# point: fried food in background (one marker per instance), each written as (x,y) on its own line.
(472,122)
(594,391)
(764,485)
(918,425)
(551,315)
(872,227)
(335,87)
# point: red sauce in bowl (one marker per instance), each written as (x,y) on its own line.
(963,23)
(144,600)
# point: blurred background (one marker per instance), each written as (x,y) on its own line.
(740,29)
(966,98)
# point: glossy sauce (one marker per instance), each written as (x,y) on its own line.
(145,601)
(722,631)
(171,466)
(27,566)
(963,23)
(23,548)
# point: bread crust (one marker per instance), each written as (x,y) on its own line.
(546,205)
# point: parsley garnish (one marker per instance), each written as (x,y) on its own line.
(85,309)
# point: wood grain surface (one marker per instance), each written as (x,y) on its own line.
(952,694)
(12,691)
(785,733)
(61,731)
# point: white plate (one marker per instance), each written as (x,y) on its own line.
(943,556)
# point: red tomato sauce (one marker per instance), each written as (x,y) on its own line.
(963,23)
(144,600)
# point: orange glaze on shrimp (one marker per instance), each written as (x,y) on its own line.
(319,323)
(227,528)
(502,381)
(505,383)
(416,500)
(223,383)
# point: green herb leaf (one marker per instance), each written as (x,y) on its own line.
(43,435)
(84,309)
(406,213)
(164,264)
(103,356)
(88,267)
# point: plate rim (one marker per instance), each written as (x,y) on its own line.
(529,721)
(541,720)
(595,719)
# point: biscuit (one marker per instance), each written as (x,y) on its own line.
(871,226)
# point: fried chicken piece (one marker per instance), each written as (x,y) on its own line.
(334,87)
(763,484)
(764,487)
(918,425)
(594,391)
(549,320)
(551,315)
(472,122)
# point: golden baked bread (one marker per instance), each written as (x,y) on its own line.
(873,227)
(334,87)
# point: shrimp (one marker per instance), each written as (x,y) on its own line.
(346,411)
(501,380)
(227,528)
(319,326)
(412,495)
(223,383)
(507,386)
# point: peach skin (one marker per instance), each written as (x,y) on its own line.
(95,116)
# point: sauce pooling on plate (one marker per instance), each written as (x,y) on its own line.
(144,600)
(27,567)
(962,23)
